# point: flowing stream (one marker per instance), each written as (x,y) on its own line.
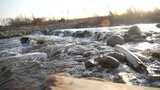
(67,50)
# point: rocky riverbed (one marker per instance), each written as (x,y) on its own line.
(25,62)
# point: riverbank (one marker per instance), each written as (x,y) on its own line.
(62,82)
(11,31)
(91,22)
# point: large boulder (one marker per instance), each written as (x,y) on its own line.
(135,30)
(134,34)
(107,62)
(114,40)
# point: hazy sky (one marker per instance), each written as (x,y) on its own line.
(70,8)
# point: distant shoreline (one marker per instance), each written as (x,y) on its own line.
(91,22)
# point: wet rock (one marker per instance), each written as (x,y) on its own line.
(107,62)
(114,40)
(52,51)
(120,57)
(155,54)
(148,34)
(134,34)
(89,64)
(143,57)
(82,34)
(76,50)
(132,59)
(86,54)
(90,53)
(67,33)
(133,78)
(158,25)
(154,70)
(98,36)
(25,40)
(135,30)
(107,35)
(56,33)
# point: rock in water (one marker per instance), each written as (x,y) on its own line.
(82,34)
(132,59)
(133,78)
(113,40)
(134,30)
(134,34)
(107,62)
(120,57)
(25,41)
(158,25)
(88,64)
(155,53)
(154,70)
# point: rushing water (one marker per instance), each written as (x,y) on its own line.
(67,52)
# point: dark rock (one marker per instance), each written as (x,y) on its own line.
(158,25)
(25,40)
(40,42)
(120,57)
(56,33)
(88,64)
(155,54)
(87,34)
(76,50)
(134,30)
(134,34)
(90,53)
(82,34)
(107,35)
(86,54)
(148,34)
(113,40)
(98,36)
(107,62)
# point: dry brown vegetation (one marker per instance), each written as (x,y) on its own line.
(131,16)
(25,25)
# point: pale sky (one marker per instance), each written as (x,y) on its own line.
(70,8)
